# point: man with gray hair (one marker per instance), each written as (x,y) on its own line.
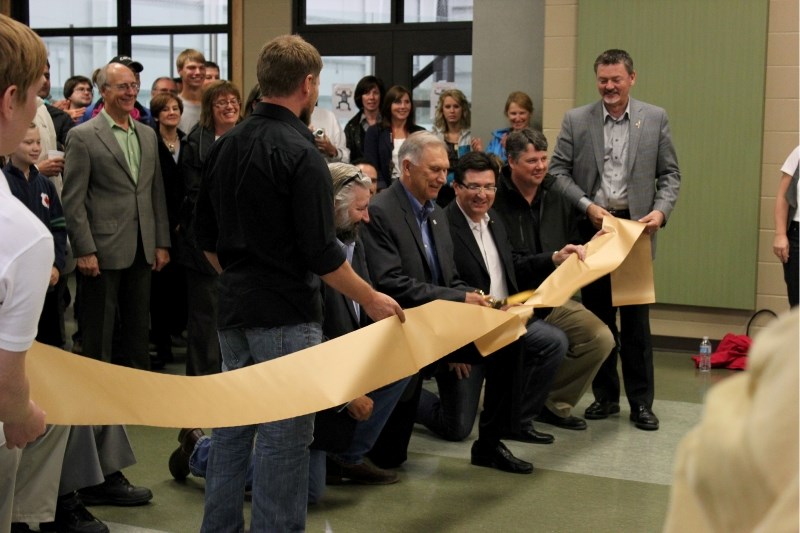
(410,257)
(282,267)
(116,214)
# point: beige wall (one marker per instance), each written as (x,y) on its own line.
(780,137)
(260,21)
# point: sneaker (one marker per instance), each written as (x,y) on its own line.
(115,490)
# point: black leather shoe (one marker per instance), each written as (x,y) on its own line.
(643,418)
(73,517)
(569,422)
(115,490)
(529,434)
(600,410)
(499,457)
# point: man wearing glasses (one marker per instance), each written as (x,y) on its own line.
(138,112)
(116,215)
(78,93)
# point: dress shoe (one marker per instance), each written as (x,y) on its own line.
(73,517)
(179,460)
(20,527)
(364,473)
(600,410)
(188,438)
(643,418)
(529,434)
(115,490)
(565,422)
(499,457)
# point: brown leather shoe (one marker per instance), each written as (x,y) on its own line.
(188,437)
(365,473)
(179,460)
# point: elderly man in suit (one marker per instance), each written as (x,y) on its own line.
(116,215)
(615,158)
(410,257)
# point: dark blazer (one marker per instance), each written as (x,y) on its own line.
(378,151)
(339,313)
(106,211)
(198,144)
(396,257)
(468,258)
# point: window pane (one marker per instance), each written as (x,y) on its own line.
(437,11)
(348,11)
(455,70)
(337,83)
(79,56)
(157,54)
(178,12)
(75,13)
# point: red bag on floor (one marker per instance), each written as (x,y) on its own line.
(731,353)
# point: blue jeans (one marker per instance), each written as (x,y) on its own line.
(280,456)
(198,465)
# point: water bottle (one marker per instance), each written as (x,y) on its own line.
(705,355)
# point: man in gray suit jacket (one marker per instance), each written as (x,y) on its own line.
(615,158)
(116,215)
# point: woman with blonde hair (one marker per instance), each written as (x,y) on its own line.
(451,123)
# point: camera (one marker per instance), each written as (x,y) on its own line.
(319,133)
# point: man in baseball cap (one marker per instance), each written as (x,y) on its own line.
(135,66)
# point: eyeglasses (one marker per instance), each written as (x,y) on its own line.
(478,189)
(84,90)
(222,104)
(125,87)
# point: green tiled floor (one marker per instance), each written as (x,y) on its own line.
(611,477)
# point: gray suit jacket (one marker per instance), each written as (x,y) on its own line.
(653,175)
(396,256)
(104,209)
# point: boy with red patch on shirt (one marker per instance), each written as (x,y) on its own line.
(39,195)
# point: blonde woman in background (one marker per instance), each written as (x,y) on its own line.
(451,123)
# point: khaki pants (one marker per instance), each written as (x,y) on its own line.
(590,342)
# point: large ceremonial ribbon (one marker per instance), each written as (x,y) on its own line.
(78,390)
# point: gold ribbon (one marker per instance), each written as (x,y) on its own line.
(82,391)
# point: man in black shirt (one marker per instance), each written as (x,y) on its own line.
(265,220)
(535,220)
